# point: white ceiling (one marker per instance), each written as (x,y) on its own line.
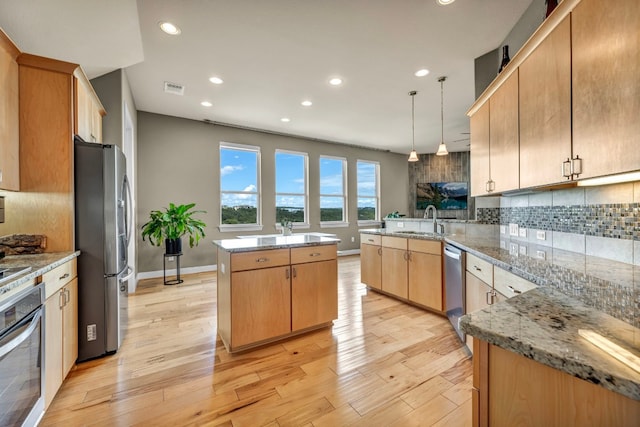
(272,54)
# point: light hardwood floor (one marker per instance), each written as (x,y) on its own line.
(384,363)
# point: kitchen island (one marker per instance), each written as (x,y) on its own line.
(271,288)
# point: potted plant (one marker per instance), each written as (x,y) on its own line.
(171,224)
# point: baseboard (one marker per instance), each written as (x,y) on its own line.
(349,252)
(172,272)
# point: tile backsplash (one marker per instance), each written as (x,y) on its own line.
(600,221)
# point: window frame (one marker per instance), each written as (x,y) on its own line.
(242,227)
(345,211)
(298,225)
(376,220)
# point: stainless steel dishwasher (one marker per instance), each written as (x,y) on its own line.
(454,272)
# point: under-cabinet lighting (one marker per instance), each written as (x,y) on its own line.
(612,349)
(613,179)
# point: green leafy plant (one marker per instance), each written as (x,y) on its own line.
(173,223)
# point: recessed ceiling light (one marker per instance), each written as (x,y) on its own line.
(216,80)
(169,28)
(336,81)
(422,73)
(206,104)
(285,119)
(445,2)
(307,103)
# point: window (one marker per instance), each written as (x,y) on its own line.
(368,195)
(291,187)
(333,194)
(239,186)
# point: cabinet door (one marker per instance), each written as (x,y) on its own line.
(371,265)
(53,346)
(545,109)
(606,93)
(260,305)
(503,139)
(9,122)
(480,151)
(70,327)
(314,294)
(83,113)
(425,279)
(394,271)
(475,298)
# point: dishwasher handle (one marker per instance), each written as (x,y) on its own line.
(451,254)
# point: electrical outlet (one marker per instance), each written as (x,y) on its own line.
(513,229)
(541,235)
(513,249)
(503,229)
(541,254)
(170,258)
(522,232)
(523,250)
(503,244)
(353,239)
(400,224)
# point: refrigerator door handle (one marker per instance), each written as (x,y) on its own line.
(129,210)
(128,276)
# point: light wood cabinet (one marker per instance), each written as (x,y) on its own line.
(480,173)
(88,111)
(61,326)
(371,260)
(545,109)
(477,297)
(504,136)
(267,295)
(510,389)
(9,116)
(425,273)
(395,259)
(261,305)
(606,93)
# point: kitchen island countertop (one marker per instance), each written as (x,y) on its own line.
(271,242)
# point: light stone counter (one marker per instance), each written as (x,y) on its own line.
(274,242)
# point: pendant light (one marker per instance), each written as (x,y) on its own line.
(442,149)
(413,156)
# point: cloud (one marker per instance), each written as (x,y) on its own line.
(229,169)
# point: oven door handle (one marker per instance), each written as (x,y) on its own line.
(23,336)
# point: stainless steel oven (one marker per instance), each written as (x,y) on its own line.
(21,358)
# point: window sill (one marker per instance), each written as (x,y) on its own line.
(232,228)
(369,223)
(334,224)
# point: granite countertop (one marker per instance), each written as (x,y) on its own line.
(542,324)
(39,263)
(274,242)
(407,234)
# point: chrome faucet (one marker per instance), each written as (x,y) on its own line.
(435,214)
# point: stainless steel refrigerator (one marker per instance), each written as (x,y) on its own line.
(103,229)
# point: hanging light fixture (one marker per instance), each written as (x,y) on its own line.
(442,148)
(413,156)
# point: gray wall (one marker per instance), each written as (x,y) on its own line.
(432,168)
(178,161)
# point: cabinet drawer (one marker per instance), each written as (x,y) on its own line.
(480,268)
(370,239)
(433,247)
(313,253)
(59,276)
(394,242)
(510,285)
(259,259)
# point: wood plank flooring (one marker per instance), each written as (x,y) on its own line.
(384,363)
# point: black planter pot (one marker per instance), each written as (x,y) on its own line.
(173,246)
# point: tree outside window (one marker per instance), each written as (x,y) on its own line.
(239,184)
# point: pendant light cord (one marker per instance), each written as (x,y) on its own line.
(442,79)
(413,121)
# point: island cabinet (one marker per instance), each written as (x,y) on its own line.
(510,389)
(266,295)
(9,129)
(395,257)
(61,326)
(371,260)
(425,273)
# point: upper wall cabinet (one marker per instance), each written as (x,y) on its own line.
(480,175)
(9,116)
(545,109)
(606,86)
(88,110)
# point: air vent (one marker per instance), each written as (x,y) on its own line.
(174,88)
